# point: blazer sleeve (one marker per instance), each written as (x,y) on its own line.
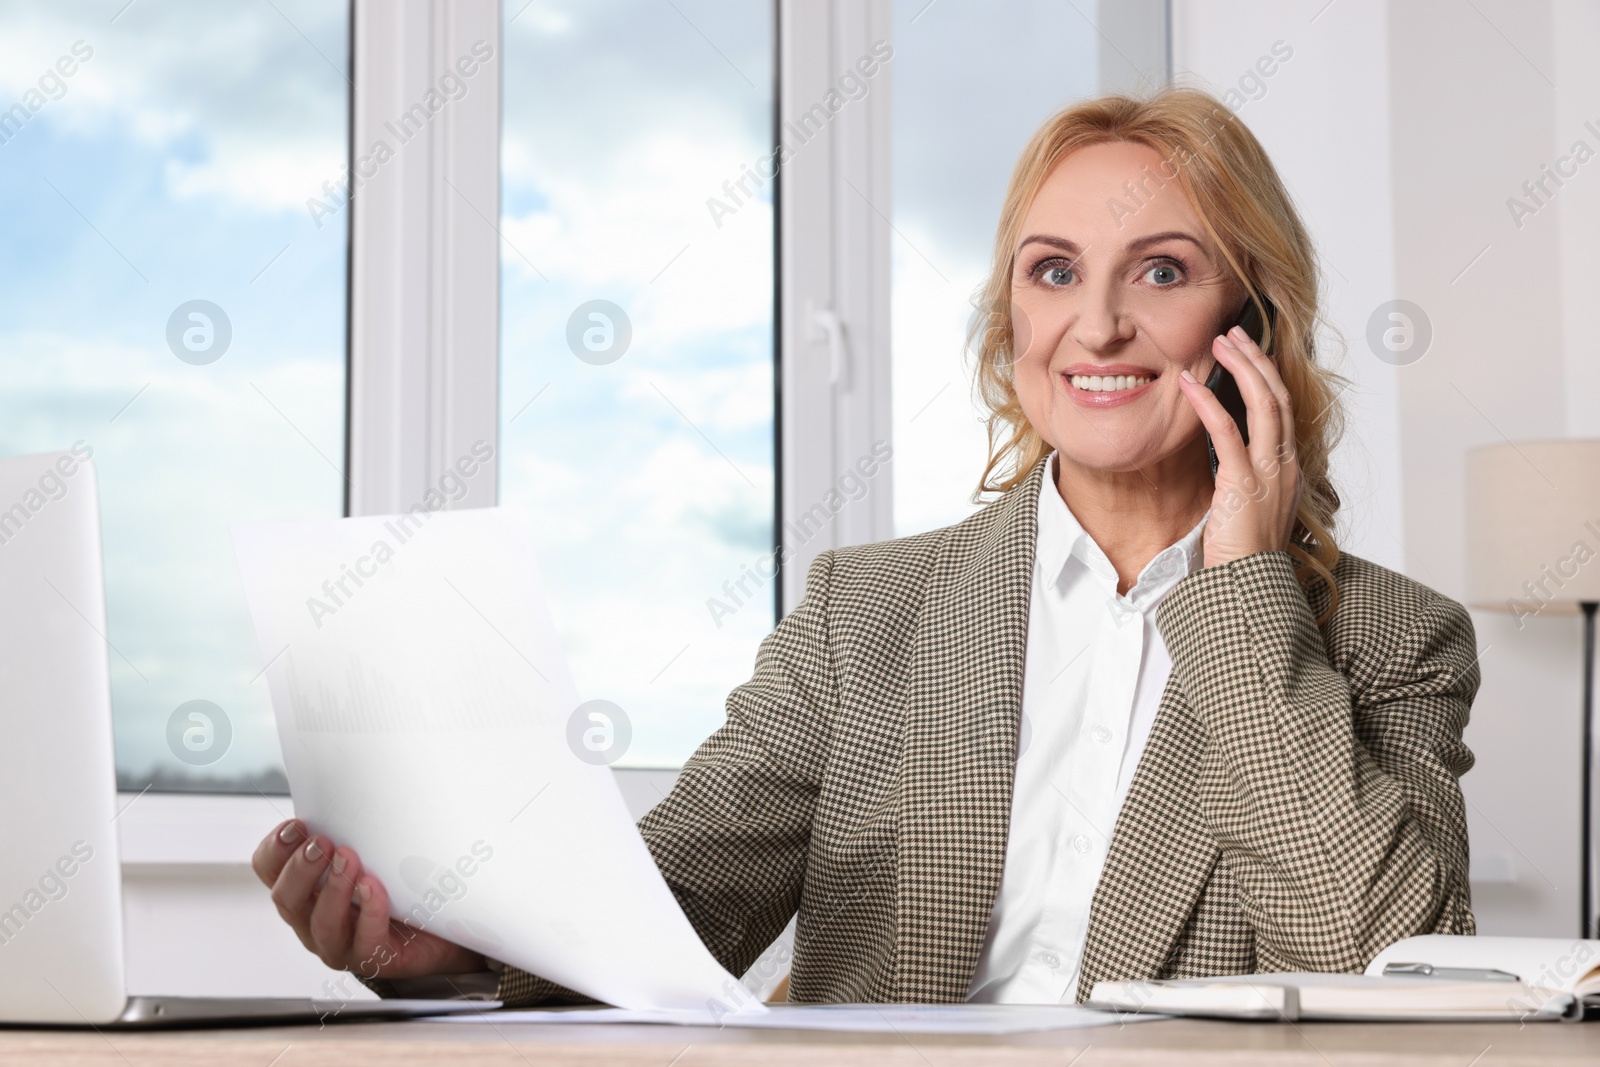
(1334,800)
(732,836)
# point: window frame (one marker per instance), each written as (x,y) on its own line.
(423,320)
(423,354)
(833,287)
(424,258)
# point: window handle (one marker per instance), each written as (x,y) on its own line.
(827,326)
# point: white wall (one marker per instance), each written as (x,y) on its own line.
(1575,27)
(1401,129)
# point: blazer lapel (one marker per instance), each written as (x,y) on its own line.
(1161,854)
(959,752)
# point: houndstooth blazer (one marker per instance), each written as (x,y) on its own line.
(1296,806)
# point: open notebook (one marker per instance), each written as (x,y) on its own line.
(1430,978)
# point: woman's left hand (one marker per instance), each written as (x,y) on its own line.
(1258,485)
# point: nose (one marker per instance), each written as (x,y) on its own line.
(1101,323)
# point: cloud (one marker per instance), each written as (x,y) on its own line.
(248,104)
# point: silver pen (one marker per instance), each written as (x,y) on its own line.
(1453,974)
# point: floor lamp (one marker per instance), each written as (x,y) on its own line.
(1533,548)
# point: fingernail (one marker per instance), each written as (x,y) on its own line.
(289,834)
(313,852)
(1237,332)
(338,863)
(364,892)
(1186,376)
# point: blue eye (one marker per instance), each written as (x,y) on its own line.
(1058,276)
(1163,274)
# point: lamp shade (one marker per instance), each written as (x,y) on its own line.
(1533,526)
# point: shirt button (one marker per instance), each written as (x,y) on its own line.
(1100,734)
(1081,843)
(1051,960)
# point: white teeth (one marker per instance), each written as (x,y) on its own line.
(1108,383)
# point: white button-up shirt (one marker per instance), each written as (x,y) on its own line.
(1092,682)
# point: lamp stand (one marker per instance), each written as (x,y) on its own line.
(1586,878)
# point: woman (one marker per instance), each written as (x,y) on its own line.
(1132,719)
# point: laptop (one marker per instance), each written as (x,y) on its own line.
(61,935)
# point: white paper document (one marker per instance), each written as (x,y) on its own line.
(854,1018)
(429,721)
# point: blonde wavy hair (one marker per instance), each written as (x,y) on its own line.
(1244,207)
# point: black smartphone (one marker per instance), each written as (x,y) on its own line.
(1222,383)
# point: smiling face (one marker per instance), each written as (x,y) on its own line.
(1108,307)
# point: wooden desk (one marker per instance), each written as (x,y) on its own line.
(1189,1042)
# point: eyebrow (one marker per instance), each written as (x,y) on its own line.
(1135,245)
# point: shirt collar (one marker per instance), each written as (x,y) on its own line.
(1062,539)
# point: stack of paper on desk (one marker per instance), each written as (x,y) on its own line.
(1434,977)
(423,705)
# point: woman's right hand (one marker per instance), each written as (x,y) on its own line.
(345,921)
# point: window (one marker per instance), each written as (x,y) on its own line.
(170,300)
(636,369)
